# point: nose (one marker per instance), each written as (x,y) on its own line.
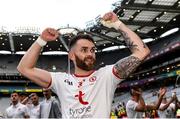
(89,53)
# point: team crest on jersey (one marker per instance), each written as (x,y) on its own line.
(92,79)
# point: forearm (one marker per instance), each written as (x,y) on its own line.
(25,100)
(27,67)
(141,101)
(133,41)
(30,58)
(128,65)
(166,105)
(156,106)
(141,105)
(158,102)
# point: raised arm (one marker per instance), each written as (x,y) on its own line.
(27,64)
(126,66)
(164,107)
(141,107)
(162,92)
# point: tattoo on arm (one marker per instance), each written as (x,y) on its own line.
(127,65)
(144,45)
(130,44)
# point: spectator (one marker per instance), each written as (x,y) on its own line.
(16,110)
(49,107)
(136,107)
(34,109)
(167,108)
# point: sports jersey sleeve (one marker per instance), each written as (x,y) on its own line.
(109,70)
(56,81)
(131,105)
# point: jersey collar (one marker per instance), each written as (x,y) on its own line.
(77,75)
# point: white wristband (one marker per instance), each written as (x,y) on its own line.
(41,42)
(110,24)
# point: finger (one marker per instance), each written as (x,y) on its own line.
(52,32)
(107,16)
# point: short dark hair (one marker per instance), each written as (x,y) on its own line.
(74,40)
(23,94)
(15,92)
(136,88)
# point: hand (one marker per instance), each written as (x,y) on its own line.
(110,20)
(174,96)
(162,91)
(49,34)
(110,16)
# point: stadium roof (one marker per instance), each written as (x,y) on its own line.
(148,18)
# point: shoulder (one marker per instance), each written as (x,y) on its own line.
(131,102)
(54,100)
(58,73)
(105,68)
(9,108)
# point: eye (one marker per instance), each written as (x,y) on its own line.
(84,50)
(93,50)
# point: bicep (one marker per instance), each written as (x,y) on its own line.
(124,67)
(39,76)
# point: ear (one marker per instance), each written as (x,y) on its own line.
(71,55)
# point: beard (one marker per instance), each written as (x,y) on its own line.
(83,65)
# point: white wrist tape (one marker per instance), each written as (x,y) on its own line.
(110,24)
(41,42)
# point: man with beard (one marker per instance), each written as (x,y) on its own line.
(87,93)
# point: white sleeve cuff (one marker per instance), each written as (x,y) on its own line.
(41,42)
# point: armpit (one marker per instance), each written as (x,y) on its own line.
(126,66)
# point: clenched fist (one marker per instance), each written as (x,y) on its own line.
(110,20)
(110,16)
(50,34)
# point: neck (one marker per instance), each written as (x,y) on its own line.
(15,103)
(48,97)
(36,104)
(134,98)
(81,72)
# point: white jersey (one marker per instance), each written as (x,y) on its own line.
(130,110)
(167,113)
(16,111)
(86,96)
(34,111)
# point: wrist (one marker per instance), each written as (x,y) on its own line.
(110,24)
(117,24)
(41,42)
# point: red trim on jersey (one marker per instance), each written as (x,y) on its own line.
(50,83)
(77,75)
(115,73)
